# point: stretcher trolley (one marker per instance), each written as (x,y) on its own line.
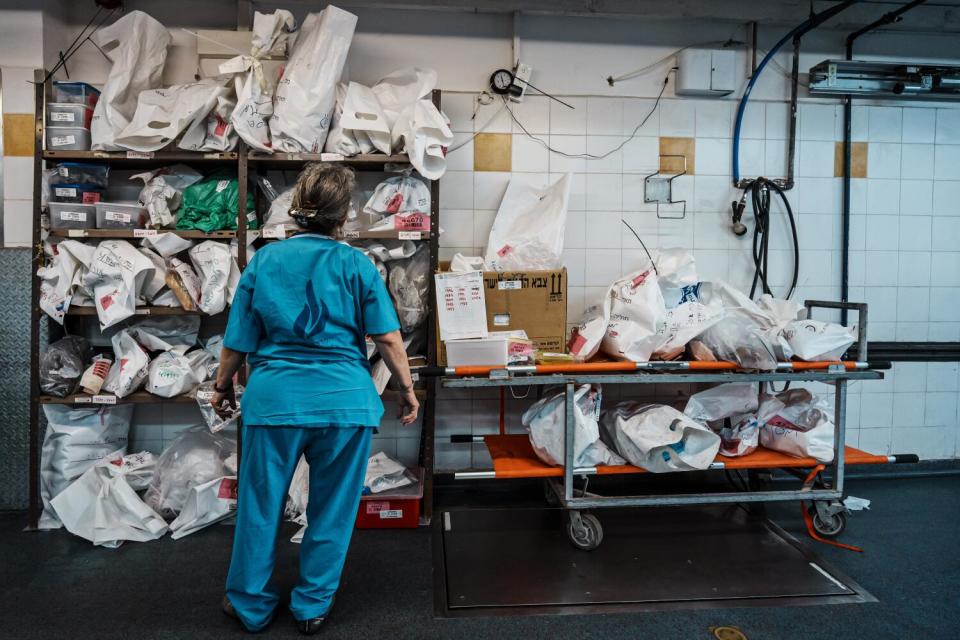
(513,456)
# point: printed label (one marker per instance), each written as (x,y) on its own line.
(351,234)
(90,197)
(140,155)
(331,157)
(222,184)
(62,141)
(144,233)
(204,395)
(65,192)
(61,116)
(501,320)
(76,233)
(75,216)
(252,216)
(411,222)
(277,232)
(391,514)
(105,399)
(63,172)
(415,376)
(409,235)
(509,285)
(82,400)
(376,507)
(117,216)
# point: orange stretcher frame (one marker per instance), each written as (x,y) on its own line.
(513,457)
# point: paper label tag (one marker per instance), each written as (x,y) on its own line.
(140,155)
(62,141)
(331,157)
(411,222)
(391,514)
(351,234)
(277,232)
(509,285)
(142,312)
(415,376)
(76,216)
(61,116)
(90,197)
(82,400)
(76,233)
(504,250)
(501,319)
(63,172)
(117,216)
(376,507)
(65,192)
(252,216)
(222,184)
(105,399)
(409,235)
(144,233)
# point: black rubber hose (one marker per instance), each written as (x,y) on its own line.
(759,191)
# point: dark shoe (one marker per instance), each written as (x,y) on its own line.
(228,609)
(312,626)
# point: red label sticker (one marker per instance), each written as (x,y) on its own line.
(90,197)
(394,204)
(106,301)
(779,421)
(640,279)
(412,222)
(376,507)
(221,126)
(576,343)
(504,250)
(228,489)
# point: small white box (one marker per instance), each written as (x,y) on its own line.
(494,350)
(705,72)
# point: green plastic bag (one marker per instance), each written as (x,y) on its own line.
(211,205)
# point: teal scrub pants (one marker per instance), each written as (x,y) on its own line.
(338,462)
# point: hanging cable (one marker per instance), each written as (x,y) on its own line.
(759,192)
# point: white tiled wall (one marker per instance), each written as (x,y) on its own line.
(17,203)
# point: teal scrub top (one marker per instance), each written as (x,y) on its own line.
(301,311)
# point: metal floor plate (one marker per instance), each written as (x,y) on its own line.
(519,561)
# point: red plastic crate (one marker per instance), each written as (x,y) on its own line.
(399,509)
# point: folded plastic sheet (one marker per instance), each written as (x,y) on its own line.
(194,458)
(163,114)
(212,262)
(136,44)
(206,504)
(62,276)
(117,274)
(528,230)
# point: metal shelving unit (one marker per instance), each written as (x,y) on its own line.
(245,163)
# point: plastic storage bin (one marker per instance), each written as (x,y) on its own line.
(66,114)
(75,93)
(398,509)
(83,193)
(68,139)
(121,215)
(81,173)
(66,215)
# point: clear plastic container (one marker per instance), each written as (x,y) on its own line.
(81,173)
(121,215)
(75,93)
(65,215)
(82,193)
(65,114)
(68,139)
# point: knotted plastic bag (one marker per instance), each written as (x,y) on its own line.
(194,458)
(62,365)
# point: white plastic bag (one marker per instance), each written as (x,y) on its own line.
(528,230)
(137,46)
(306,95)
(130,365)
(212,261)
(173,373)
(735,339)
(163,333)
(214,422)
(384,473)
(426,136)
(116,277)
(741,439)
(722,401)
(251,115)
(163,114)
(215,132)
(586,337)
(279,213)
(404,200)
(162,192)
(659,438)
(103,507)
(62,276)
(206,504)
(814,340)
(797,423)
(636,310)
(168,244)
(194,458)
(359,125)
(75,440)
(410,288)
(545,421)
(682,324)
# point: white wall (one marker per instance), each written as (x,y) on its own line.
(906,212)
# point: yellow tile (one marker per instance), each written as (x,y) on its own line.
(492,152)
(858,159)
(677,147)
(18,134)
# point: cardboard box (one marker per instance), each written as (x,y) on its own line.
(535,301)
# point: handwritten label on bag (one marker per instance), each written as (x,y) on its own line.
(62,141)
(222,184)
(76,216)
(61,116)
(104,399)
(140,155)
(509,285)
(409,235)
(117,216)
(144,233)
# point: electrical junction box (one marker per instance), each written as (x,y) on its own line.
(705,72)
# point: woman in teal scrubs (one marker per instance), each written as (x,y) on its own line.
(300,316)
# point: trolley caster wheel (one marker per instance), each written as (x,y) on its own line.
(585,531)
(550,495)
(829,526)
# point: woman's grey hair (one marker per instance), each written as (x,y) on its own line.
(321,197)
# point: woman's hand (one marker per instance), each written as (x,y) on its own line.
(407,406)
(224,402)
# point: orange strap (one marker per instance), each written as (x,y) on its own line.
(808,520)
(628,366)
